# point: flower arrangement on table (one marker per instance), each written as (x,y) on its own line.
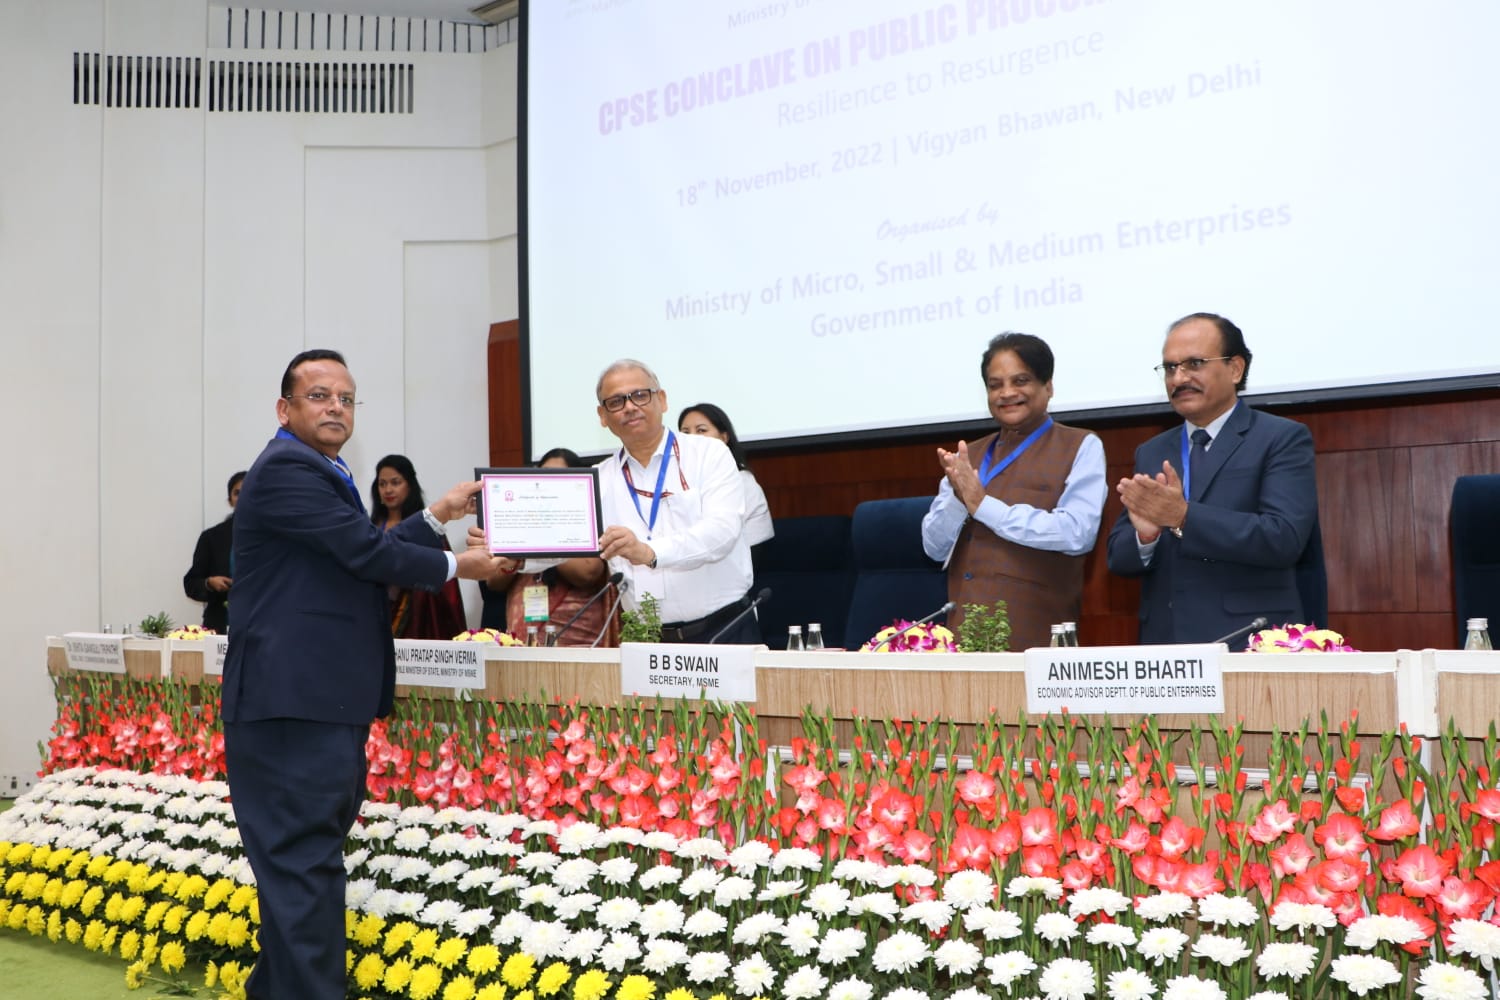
(191,632)
(906,637)
(488,635)
(1299,639)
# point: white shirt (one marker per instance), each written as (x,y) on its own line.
(757,512)
(702,559)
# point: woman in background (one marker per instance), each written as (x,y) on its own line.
(209,578)
(706,418)
(415,613)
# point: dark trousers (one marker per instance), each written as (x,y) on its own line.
(296,787)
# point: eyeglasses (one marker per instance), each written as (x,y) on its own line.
(320,398)
(1169,368)
(640,397)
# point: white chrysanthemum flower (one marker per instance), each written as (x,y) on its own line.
(1164,906)
(1130,984)
(510,928)
(618,871)
(1008,966)
(441,912)
(659,840)
(705,924)
(1441,981)
(734,889)
(753,975)
(933,915)
(756,927)
(470,922)
(540,894)
(665,916)
(879,904)
(1303,917)
(1292,959)
(416,815)
(509,883)
(1478,938)
(357,892)
(968,993)
(796,859)
(618,913)
(655,877)
(995,925)
(827,899)
(700,848)
(851,989)
(799,934)
(1236,911)
(412,838)
(968,888)
(840,945)
(698,882)
(1161,944)
(957,957)
(1116,936)
(1372,929)
(780,889)
(538,861)
(575,838)
(574,905)
(1192,988)
(619,951)
(445,844)
(1034,885)
(503,848)
(448,872)
(540,828)
(707,967)
(1363,973)
(804,984)
(1268,995)
(749,856)
(627,835)
(914,875)
(574,874)
(1067,979)
(663,955)
(582,947)
(1055,928)
(478,878)
(857,870)
(1220,948)
(545,939)
(902,952)
(1087,902)
(906,993)
(411,870)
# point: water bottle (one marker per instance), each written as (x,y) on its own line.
(551,635)
(1058,638)
(1070,633)
(531,639)
(108,629)
(1479,634)
(815,636)
(794,637)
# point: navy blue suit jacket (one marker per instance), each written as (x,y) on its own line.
(309,626)
(1253,508)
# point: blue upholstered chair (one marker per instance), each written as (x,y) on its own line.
(893,578)
(809,566)
(1474,520)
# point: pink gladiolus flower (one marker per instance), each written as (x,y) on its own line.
(1397,821)
(1274,822)
(1421,871)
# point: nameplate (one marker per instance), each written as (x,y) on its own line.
(1125,680)
(437,663)
(215,648)
(101,651)
(688,670)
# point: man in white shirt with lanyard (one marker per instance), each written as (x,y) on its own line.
(674,512)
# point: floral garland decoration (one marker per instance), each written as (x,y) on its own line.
(907,637)
(191,632)
(1299,639)
(487,635)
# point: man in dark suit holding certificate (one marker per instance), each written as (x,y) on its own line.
(1221,507)
(311,663)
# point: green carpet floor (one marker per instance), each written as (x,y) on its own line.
(36,969)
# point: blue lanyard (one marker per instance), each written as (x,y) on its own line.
(986,473)
(661,479)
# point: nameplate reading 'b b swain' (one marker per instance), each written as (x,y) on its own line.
(1125,679)
(688,670)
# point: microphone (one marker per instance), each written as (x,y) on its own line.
(1254,626)
(614,579)
(940,611)
(760,598)
(624,585)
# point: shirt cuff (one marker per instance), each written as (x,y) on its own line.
(452,565)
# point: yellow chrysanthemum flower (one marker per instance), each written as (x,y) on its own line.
(155,914)
(172,881)
(16,918)
(91,900)
(424,943)
(150,948)
(52,891)
(367,930)
(73,931)
(77,864)
(118,871)
(397,975)
(197,926)
(130,945)
(172,922)
(98,865)
(592,985)
(13,883)
(483,959)
(492,991)
(72,893)
(135,976)
(217,894)
(397,936)
(239,933)
(426,980)
(450,952)
(369,971)
(232,976)
(553,978)
(54,927)
(211,975)
(131,910)
(93,935)
(173,956)
(242,899)
(459,988)
(112,907)
(140,876)
(218,927)
(681,993)
(19,854)
(110,936)
(518,970)
(33,885)
(36,921)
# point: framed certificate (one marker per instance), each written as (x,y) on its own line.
(540,513)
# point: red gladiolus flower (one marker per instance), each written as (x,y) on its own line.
(970,847)
(1461,900)
(1039,862)
(804,778)
(1201,880)
(1420,870)
(1397,821)
(1340,874)
(1274,821)
(1487,804)
(1076,876)
(1137,836)
(1177,838)
(1005,839)
(1352,798)
(1291,857)
(1038,827)
(1311,811)
(893,809)
(1489,874)
(1341,836)
(916,846)
(832,816)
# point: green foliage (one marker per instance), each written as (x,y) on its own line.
(985,628)
(643,624)
(156,626)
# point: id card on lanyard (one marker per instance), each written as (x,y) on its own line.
(667,451)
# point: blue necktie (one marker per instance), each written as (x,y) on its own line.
(1195,461)
(343,467)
